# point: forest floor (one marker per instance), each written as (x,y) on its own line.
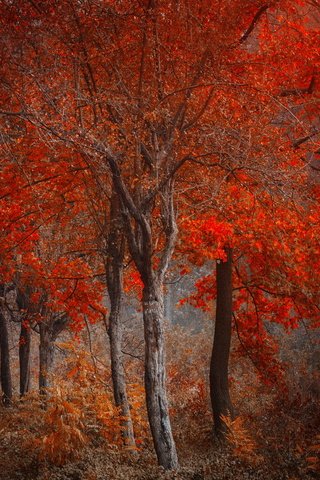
(276,435)
(97,464)
(280,454)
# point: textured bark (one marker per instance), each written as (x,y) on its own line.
(219,384)
(46,351)
(155,377)
(24,305)
(114,274)
(139,230)
(24,358)
(117,369)
(6,383)
(118,375)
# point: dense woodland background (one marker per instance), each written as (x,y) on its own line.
(159,241)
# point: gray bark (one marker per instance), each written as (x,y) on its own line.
(118,376)
(46,354)
(155,377)
(138,227)
(50,328)
(114,274)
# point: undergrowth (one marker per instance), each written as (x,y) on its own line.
(272,435)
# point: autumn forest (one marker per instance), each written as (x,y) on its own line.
(159,239)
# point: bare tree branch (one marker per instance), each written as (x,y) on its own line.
(300,91)
(255,20)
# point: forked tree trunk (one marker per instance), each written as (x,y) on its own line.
(6,383)
(114,274)
(219,384)
(24,358)
(46,352)
(138,227)
(155,377)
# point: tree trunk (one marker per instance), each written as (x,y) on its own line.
(138,227)
(114,275)
(219,384)
(118,375)
(24,358)
(155,377)
(46,351)
(25,306)
(6,383)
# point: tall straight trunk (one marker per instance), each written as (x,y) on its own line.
(118,374)
(46,351)
(24,358)
(114,275)
(155,376)
(24,304)
(219,384)
(6,383)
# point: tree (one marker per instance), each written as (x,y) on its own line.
(6,383)
(24,341)
(24,357)
(114,275)
(147,115)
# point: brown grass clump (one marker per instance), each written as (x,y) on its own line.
(313,458)
(244,447)
(65,438)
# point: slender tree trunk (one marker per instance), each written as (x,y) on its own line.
(114,274)
(24,304)
(117,370)
(219,384)
(24,358)
(46,351)
(118,375)
(155,377)
(6,383)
